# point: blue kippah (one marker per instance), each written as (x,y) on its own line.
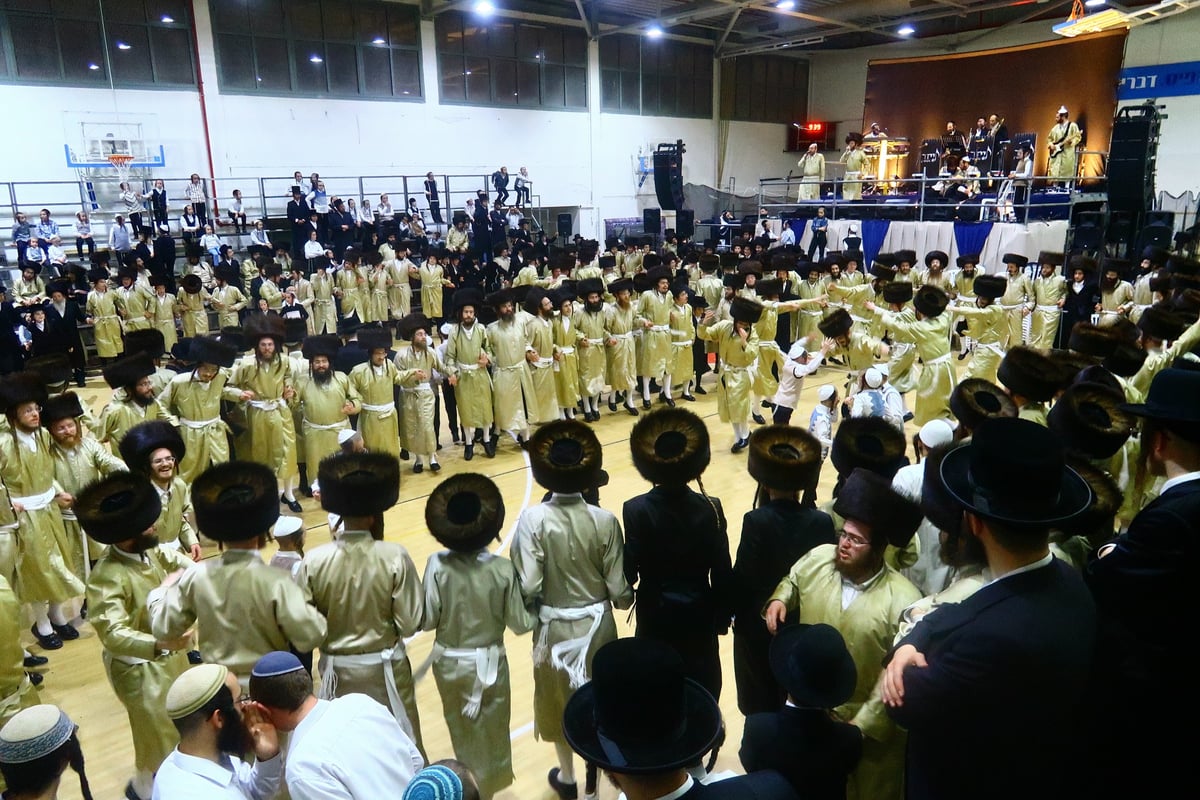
(437,782)
(275,663)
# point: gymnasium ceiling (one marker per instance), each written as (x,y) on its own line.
(739,27)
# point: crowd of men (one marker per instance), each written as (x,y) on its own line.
(967,573)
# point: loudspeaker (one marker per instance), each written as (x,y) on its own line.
(685,223)
(1131,161)
(668,180)
(1160,218)
(565,228)
(652,221)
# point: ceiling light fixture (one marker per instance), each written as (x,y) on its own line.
(93,67)
(1094,3)
(906,30)
(168,19)
(378,40)
(786,5)
(484,8)
(316,59)
(123,46)
(654,32)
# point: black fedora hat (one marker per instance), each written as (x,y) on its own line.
(146,437)
(980,476)
(813,665)
(235,500)
(869,498)
(639,715)
(117,507)
(465,512)
(1088,420)
(974,400)
(359,484)
(784,458)
(670,446)
(565,456)
(1171,398)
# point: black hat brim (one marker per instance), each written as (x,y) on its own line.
(702,726)
(1074,495)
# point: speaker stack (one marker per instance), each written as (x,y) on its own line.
(566,228)
(1131,158)
(652,221)
(668,175)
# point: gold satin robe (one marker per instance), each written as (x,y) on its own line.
(591,356)
(379,426)
(418,401)
(228,301)
(474,390)
(116,593)
(734,381)
(1018,296)
(936,380)
(106,323)
(134,306)
(322,415)
(74,469)
(323,315)
(512,385)
(545,395)
(193,312)
(270,436)
(1047,294)
(175,531)
(431,276)
(655,308)
(566,337)
(197,405)
(989,328)
(16,690)
(621,357)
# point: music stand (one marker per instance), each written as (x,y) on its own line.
(952,152)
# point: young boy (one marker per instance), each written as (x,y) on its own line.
(820,424)
(289,536)
(799,364)
(471,595)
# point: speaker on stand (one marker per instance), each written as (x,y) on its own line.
(668,175)
(652,222)
(565,226)
(685,223)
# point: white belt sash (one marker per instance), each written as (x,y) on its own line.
(660,328)
(36,502)
(384,410)
(197,424)
(330,663)
(569,656)
(942,359)
(1054,308)
(487,670)
(566,351)
(333,426)
(265,405)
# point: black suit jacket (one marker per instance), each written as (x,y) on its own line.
(767,785)
(815,753)
(997,712)
(677,552)
(774,537)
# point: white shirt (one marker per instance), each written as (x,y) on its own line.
(851,591)
(929,574)
(791,379)
(351,747)
(184,777)
(788,237)
(1178,479)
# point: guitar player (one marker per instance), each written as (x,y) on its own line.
(1064,139)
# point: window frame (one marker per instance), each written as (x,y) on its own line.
(656,70)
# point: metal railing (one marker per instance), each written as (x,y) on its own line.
(923,198)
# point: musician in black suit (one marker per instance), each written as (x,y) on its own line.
(63,317)
(1083,293)
(1142,584)
(677,545)
(783,526)
(803,740)
(991,689)
(643,722)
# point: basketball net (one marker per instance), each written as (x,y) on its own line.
(121,163)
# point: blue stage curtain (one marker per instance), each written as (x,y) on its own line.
(873,233)
(970,236)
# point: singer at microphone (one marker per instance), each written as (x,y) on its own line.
(812,172)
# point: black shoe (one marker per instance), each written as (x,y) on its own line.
(457,439)
(633,412)
(65,632)
(962,355)
(765,404)
(438,445)
(654,387)
(83,608)
(646,404)
(469,452)
(306,491)
(418,469)
(669,401)
(130,794)
(700,390)
(758,418)
(908,415)
(612,402)
(566,791)
(194,657)
(739,445)
(48,642)
(32,661)
(293,505)
(435,467)
(489,448)
(689,398)
(403,455)
(35,678)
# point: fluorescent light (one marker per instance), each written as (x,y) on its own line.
(93,67)
(167,18)
(484,8)
(654,32)
(123,46)
(316,59)
(1094,3)
(786,5)
(378,40)
(906,30)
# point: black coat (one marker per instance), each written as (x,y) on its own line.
(1144,597)
(997,711)
(164,253)
(65,329)
(769,785)
(1077,307)
(677,555)
(774,537)
(807,746)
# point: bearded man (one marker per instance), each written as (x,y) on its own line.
(326,398)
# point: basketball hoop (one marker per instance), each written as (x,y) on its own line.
(121,162)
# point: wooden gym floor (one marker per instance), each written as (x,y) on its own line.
(75,679)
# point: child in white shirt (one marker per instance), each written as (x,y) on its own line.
(799,363)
